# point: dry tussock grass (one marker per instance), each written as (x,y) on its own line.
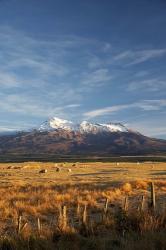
(144,184)
(43,200)
(127,188)
(141,184)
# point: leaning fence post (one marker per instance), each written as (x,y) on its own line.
(106,206)
(153,199)
(24,226)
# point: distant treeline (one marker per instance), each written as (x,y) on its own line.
(81,158)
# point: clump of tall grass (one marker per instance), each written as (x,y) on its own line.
(43,202)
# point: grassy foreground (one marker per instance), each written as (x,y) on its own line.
(68,241)
(91,206)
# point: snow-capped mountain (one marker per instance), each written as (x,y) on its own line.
(83,127)
(101,127)
(57,123)
(57,137)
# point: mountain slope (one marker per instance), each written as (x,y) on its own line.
(61,137)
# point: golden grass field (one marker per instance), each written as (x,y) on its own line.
(24,191)
(94,173)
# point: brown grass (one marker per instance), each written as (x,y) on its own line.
(25,192)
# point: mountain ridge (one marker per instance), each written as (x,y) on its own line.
(62,137)
(83,127)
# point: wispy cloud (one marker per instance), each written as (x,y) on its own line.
(146,105)
(37,77)
(62,76)
(8,80)
(132,57)
(22,104)
(147,85)
(105,111)
(97,77)
(106,47)
(94,62)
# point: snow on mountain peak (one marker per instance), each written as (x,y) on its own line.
(84,127)
(115,127)
(56,123)
(60,123)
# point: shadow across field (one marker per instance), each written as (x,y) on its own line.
(159,173)
(102,172)
(90,186)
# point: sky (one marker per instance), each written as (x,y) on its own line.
(101,61)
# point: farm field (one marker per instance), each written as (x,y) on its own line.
(93,173)
(77,203)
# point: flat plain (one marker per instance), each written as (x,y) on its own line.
(80,187)
(94,173)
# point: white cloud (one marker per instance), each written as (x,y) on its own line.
(97,77)
(146,105)
(124,55)
(22,104)
(41,78)
(132,57)
(104,111)
(106,47)
(35,75)
(94,62)
(8,80)
(147,85)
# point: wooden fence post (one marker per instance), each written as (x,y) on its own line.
(38,226)
(142,202)
(24,226)
(106,206)
(60,219)
(126,203)
(64,216)
(153,199)
(84,219)
(21,227)
(78,209)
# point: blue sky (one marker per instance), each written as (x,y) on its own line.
(83,60)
